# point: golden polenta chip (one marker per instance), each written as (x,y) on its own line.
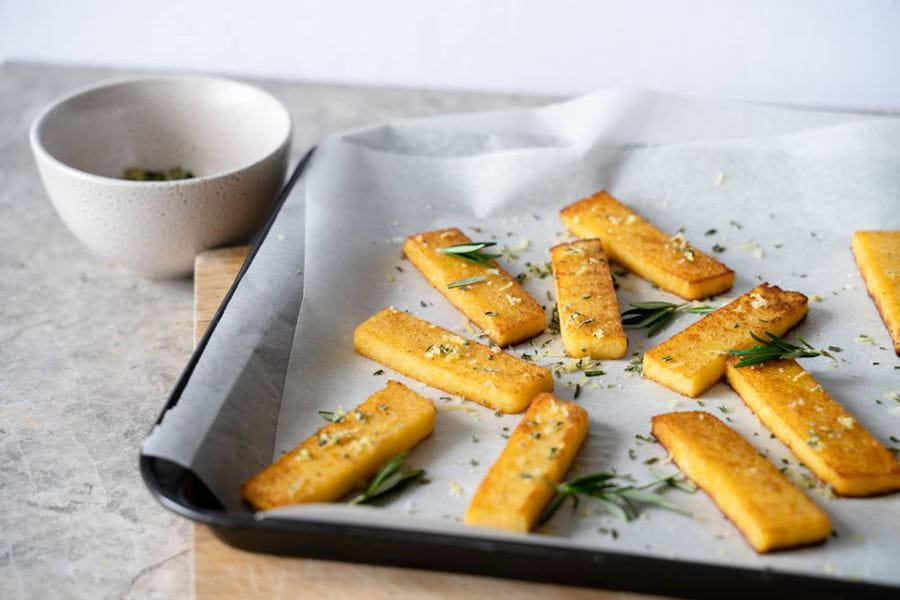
(495,302)
(589,319)
(824,436)
(537,455)
(878,257)
(693,360)
(770,511)
(668,261)
(340,455)
(442,359)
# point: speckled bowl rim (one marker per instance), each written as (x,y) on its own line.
(38,148)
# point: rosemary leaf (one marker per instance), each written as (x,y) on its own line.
(466,281)
(471,251)
(616,509)
(775,348)
(390,477)
(615,493)
(332,417)
(654,316)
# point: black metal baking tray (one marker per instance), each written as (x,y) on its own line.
(181,491)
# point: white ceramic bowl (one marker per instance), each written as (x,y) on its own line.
(235,138)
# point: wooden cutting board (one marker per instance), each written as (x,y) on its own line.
(221,571)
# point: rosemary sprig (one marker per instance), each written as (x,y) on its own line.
(775,348)
(614,492)
(390,477)
(656,315)
(471,251)
(466,281)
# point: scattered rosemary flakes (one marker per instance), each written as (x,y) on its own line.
(539,271)
(864,339)
(553,327)
(608,531)
(635,364)
(378,372)
(718,248)
(710,232)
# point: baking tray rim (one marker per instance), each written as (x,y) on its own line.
(174,486)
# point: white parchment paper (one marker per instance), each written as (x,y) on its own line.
(783,191)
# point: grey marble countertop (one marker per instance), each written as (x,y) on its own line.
(89,352)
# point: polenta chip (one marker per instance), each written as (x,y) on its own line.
(878,257)
(442,359)
(537,455)
(495,302)
(824,436)
(342,454)
(668,261)
(589,318)
(693,360)
(769,510)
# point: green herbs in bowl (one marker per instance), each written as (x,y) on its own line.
(173,174)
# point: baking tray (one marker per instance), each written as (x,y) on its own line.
(180,490)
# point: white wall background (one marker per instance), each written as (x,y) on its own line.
(835,53)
